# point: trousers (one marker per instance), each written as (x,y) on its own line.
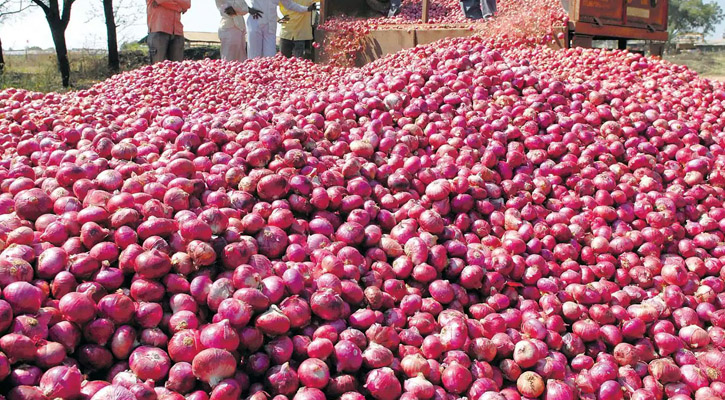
(475,10)
(292,48)
(164,46)
(261,37)
(234,47)
(488,7)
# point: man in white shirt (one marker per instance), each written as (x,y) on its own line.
(232,29)
(262,35)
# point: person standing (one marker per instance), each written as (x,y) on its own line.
(262,29)
(166,33)
(296,26)
(233,29)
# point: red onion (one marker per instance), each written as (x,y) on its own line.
(376,356)
(220,336)
(184,345)
(181,379)
(26,393)
(23,297)
(273,322)
(61,381)
(17,347)
(77,307)
(558,390)
(283,380)
(382,384)
(213,365)
(419,387)
(456,378)
(664,370)
(530,384)
(114,392)
(313,373)
(149,363)
(348,356)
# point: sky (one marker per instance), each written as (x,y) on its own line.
(85,31)
(30,29)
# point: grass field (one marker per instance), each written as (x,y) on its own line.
(711,65)
(38,72)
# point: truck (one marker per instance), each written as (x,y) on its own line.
(620,20)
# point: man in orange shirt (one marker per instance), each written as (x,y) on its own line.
(166,34)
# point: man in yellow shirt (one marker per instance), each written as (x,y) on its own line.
(296,27)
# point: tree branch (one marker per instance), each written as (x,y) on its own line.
(65,18)
(4,12)
(42,5)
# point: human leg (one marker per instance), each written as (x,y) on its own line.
(176,48)
(158,43)
(286,47)
(299,49)
(394,8)
(472,9)
(233,47)
(489,8)
(269,47)
(255,38)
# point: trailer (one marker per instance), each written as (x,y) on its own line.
(620,20)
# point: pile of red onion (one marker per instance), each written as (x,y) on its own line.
(470,219)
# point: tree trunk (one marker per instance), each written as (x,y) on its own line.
(57,29)
(2,59)
(113,61)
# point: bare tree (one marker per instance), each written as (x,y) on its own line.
(58,15)
(7,9)
(114,63)
(118,15)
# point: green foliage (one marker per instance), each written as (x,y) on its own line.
(134,46)
(693,16)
